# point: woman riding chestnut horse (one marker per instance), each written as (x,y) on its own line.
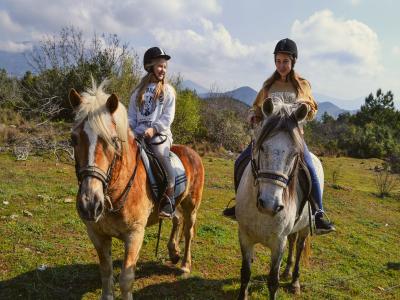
(114,197)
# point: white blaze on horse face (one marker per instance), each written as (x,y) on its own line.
(276,157)
(92,137)
(278,154)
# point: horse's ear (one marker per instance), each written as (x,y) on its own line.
(74,98)
(301,112)
(267,107)
(112,103)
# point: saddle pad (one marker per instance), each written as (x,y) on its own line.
(180,175)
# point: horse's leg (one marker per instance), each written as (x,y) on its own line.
(288,270)
(276,259)
(173,243)
(189,215)
(246,247)
(102,243)
(133,243)
(296,271)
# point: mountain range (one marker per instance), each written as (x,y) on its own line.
(16,65)
(247,95)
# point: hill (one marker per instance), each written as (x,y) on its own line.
(329,108)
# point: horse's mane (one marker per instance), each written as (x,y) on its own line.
(93,107)
(282,119)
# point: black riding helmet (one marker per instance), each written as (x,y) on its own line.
(152,53)
(286,46)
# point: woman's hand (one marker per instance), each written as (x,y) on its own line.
(149,133)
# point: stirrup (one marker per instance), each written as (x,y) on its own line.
(169,204)
(320,231)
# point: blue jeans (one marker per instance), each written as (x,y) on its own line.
(316,189)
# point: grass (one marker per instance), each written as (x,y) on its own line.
(49,256)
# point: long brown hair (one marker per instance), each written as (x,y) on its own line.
(293,77)
(150,78)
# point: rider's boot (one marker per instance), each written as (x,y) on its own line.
(167,204)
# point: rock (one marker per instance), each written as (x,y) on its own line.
(68,200)
(27,213)
(42,267)
(14,216)
(6,202)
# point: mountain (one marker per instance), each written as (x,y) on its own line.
(329,108)
(245,94)
(14,63)
(350,104)
(190,85)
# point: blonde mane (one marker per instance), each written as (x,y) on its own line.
(93,107)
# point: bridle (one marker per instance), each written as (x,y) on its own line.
(105,177)
(96,172)
(275,177)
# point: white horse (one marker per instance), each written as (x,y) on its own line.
(269,198)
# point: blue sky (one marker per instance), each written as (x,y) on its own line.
(347,48)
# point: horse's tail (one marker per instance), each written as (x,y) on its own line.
(305,258)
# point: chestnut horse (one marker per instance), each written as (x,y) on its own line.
(114,197)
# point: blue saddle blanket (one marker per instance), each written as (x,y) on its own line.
(180,175)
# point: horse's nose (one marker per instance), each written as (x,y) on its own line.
(279,208)
(98,209)
(269,206)
(90,207)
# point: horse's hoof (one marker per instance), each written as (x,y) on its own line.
(107,297)
(185,270)
(174,259)
(295,288)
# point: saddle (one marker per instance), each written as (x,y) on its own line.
(156,172)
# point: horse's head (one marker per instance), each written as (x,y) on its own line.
(277,149)
(99,138)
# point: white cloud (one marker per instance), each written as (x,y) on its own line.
(341,56)
(10,46)
(355,2)
(6,24)
(396,50)
(213,50)
(347,44)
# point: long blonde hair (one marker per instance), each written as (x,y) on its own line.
(150,78)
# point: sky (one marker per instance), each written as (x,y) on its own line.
(347,48)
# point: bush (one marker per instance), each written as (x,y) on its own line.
(385,181)
(187,117)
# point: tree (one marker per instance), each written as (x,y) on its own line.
(187,117)
(10,94)
(379,109)
(68,60)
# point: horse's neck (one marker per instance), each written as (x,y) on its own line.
(126,166)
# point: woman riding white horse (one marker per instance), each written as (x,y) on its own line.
(288,85)
(270,200)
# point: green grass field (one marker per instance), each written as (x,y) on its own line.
(45,252)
